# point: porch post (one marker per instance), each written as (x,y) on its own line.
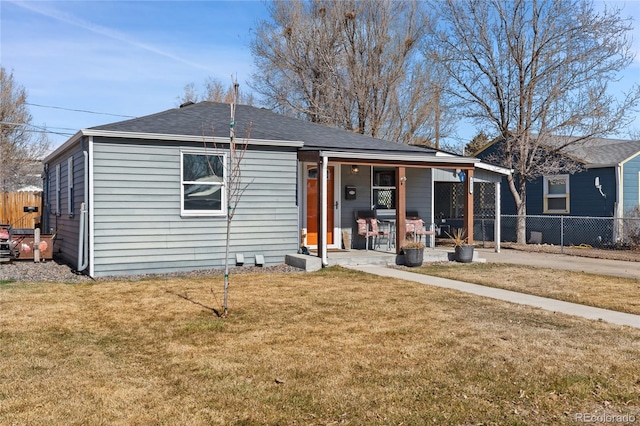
(322,197)
(468,206)
(497,225)
(401,206)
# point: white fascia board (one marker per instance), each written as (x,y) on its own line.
(630,158)
(166,137)
(495,169)
(398,157)
(71,141)
(188,138)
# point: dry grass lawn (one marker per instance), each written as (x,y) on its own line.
(618,294)
(333,347)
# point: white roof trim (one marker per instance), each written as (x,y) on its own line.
(415,157)
(187,138)
(630,158)
(495,169)
(167,137)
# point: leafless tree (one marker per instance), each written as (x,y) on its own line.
(22,145)
(532,71)
(349,64)
(215,91)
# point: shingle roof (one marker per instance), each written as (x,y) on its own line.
(205,118)
(602,151)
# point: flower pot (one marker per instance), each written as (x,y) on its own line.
(464,254)
(413,256)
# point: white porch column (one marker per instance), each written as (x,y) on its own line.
(496,227)
(323,230)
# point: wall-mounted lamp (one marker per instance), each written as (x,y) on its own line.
(403,179)
(355,170)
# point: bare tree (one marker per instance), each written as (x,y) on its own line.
(234,187)
(215,91)
(532,71)
(22,146)
(349,64)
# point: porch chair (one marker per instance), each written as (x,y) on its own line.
(368,227)
(415,227)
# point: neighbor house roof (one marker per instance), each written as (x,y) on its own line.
(603,152)
(594,153)
(212,119)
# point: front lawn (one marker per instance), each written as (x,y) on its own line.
(601,291)
(332,347)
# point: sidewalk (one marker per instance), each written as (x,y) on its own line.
(553,305)
(616,268)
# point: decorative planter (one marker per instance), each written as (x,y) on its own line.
(464,254)
(413,256)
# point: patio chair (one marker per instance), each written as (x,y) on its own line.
(368,227)
(415,227)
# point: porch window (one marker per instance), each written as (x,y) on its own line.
(556,194)
(384,188)
(202,190)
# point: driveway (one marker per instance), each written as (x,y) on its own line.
(618,268)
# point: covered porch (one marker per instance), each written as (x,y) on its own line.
(336,186)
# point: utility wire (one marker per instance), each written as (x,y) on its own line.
(80,110)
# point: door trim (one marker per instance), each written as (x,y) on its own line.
(337,207)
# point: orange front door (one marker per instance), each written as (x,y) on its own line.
(312,204)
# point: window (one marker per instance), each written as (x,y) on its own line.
(556,194)
(202,190)
(384,188)
(70,186)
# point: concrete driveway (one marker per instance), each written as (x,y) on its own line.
(616,268)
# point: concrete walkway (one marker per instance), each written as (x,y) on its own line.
(506,295)
(617,268)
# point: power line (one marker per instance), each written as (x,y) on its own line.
(80,110)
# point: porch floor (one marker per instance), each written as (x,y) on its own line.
(380,257)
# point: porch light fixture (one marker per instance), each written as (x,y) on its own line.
(355,170)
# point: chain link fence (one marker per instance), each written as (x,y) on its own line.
(564,231)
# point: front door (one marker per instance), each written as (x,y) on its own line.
(312,174)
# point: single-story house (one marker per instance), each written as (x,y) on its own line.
(607,187)
(146,195)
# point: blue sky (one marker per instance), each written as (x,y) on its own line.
(134,58)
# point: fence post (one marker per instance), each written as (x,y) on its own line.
(561,234)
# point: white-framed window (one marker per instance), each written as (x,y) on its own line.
(556,194)
(57,212)
(383,188)
(202,189)
(70,186)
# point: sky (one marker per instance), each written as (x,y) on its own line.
(125,59)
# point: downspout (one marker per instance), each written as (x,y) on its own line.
(325,262)
(83,237)
(497,225)
(619,205)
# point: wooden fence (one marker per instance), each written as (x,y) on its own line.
(12,206)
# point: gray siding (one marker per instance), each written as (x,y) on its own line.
(630,190)
(418,197)
(419,194)
(65,223)
(137,222)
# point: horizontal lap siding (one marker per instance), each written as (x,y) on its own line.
(64,224)
(137,224)
(631,190)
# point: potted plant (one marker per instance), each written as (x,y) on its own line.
(413,253)
(463,252)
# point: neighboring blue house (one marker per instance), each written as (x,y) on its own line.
(607,187)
